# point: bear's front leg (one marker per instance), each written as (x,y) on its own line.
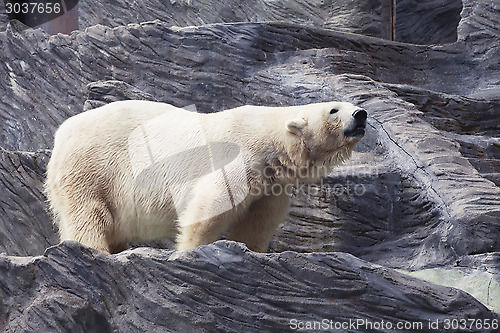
(256,227)
(195,233)
(215,202)
(205,218)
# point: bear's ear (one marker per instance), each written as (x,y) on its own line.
(296,125)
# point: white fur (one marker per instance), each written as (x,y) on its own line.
(138,170)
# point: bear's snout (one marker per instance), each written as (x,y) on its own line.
(357,127)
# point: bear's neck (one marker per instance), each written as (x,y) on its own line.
(296,164)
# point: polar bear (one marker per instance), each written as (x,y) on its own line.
(140,170)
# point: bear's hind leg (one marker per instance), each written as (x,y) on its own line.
(88,224)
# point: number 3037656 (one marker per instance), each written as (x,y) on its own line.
(470,324)
(32,8)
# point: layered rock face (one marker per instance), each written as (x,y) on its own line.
(420,195)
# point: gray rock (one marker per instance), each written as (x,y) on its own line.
(25,226)
(222,287)
(370,18)
(420,194)
(429,196)
(104,92)
(481,281)
(427,22)
(231,72)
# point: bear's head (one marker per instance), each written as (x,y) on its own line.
(323,134)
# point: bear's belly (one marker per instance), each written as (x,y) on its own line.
(141,225)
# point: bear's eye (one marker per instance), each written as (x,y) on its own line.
(332,111)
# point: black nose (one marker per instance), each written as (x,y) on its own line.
(360,115)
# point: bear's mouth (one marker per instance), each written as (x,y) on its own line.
(357,131)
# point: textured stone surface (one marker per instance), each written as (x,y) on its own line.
(427,22)
(420,194)
(431,198)
(25,227)
(370,18)
(220,287)
(481,284)
(230,72)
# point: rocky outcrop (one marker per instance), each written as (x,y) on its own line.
(421,193)
(427,22)
(25,225)
(370,18)
(220,287)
